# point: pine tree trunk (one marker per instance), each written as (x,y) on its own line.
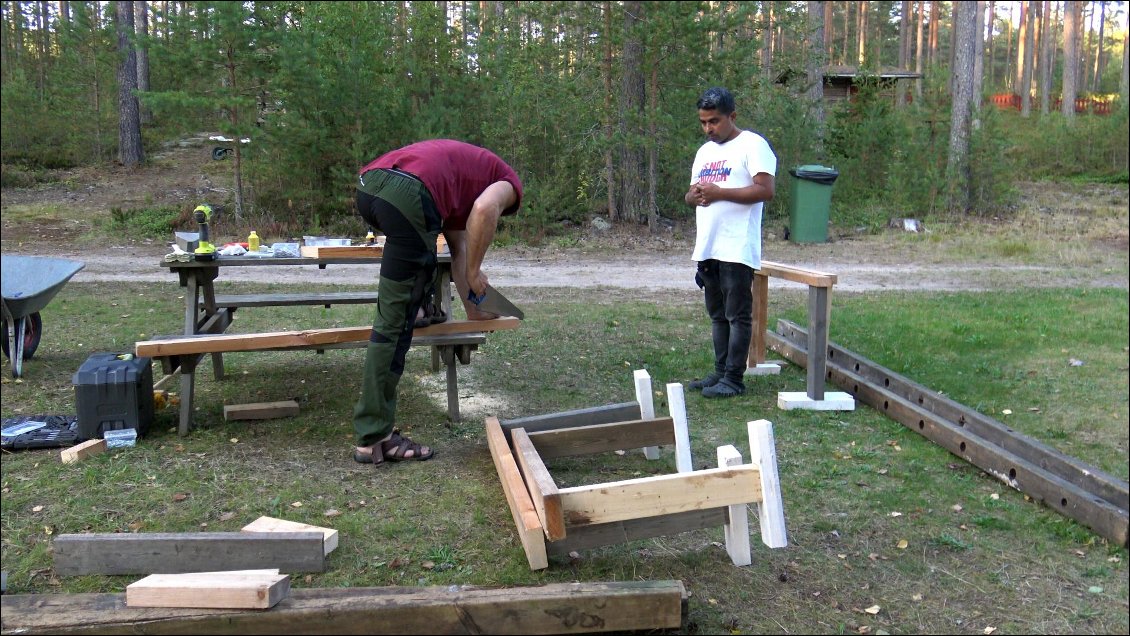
(904,49)
(233,117)
(1099,49)
(606,71)
(829,31)
(861,33)
(958,172)
(1072,23)
(632,201)
(653,146)
(767,39)
(1029,57)
(934,13)
(1023,44)
(815,68)
(1124,83)
(991,16)
(1047,40)
(129,120)
(919,57)
(978,61)
(142,16)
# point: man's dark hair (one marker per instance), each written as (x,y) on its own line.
(718,99)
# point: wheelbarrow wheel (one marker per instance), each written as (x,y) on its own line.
(33,332)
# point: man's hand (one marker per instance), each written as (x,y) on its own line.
(705,193)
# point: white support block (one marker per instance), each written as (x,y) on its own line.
(678,405)
(736,530)
(765,368)
(771,510)
(647,406)
(833,401)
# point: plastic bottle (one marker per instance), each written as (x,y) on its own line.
(253,242)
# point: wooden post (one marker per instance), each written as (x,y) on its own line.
(678,407)
(736,528)
(760,319)
(647,406)
(771,508)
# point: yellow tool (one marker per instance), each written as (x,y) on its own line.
(205,251)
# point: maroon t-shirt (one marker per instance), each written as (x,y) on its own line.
(455,173)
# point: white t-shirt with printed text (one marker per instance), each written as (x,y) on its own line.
(729,231)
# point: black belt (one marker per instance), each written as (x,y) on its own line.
(403,174)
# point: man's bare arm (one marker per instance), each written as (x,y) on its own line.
(469,247)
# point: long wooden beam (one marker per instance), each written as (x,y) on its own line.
(617,532)
(174,553)
(540,485)
(660,495)
(227,343)
(578,417)
(598,438)
(809,277)
(530,531)
(557,608)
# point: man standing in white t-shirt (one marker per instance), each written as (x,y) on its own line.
(732,177)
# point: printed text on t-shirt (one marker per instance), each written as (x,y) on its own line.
(714,171)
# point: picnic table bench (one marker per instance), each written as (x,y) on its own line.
(208,316)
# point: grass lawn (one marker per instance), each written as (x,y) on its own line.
(887,531)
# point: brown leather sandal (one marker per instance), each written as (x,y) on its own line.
(397,448)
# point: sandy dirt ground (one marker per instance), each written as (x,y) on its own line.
(184,173)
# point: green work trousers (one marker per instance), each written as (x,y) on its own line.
(400,206)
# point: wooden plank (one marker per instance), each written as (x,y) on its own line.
(809,277)
(215,590)
(89,448)
(271,524)
(593,536)
(660,495)
(579,417)
(771,508)
(287,300)
(760,291)
(331,251)
(175,553)
(540,485)
(681,428)
(647,405)
(1086,476)
(255,342)
(598,438)
(556,608)
(736,528)
(1105,518)
(526,521)
(260,410)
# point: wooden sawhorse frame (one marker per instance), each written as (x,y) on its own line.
(819,314)
(555,521)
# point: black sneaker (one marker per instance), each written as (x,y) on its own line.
(709,380)
(723,388)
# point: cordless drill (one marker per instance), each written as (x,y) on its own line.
(205,251)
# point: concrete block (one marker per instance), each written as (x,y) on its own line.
(833,401)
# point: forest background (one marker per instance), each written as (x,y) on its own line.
(592,102)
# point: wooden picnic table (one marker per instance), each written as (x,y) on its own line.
(209,314)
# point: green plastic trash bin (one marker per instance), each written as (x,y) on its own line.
(811,202)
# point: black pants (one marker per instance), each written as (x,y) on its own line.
(729,303)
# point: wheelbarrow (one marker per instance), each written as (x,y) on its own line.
(28,283)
